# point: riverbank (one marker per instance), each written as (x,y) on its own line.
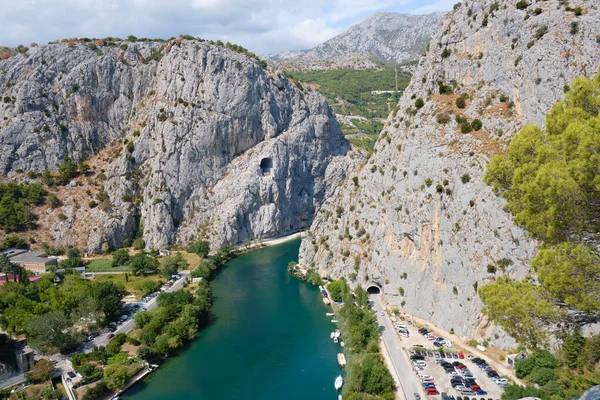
(366,370)
(269,339)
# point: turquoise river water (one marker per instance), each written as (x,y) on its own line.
(270,339)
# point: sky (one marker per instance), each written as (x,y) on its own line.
(262,26)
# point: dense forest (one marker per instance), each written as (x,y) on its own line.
(551,181)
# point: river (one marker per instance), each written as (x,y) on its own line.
(270,339)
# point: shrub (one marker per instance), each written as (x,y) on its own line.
(92,204)
(522,4)
(419,103)
(439,188)
(518,60)
(62,217)
(476,125)
(139,244)
(461,102)
(465,178)
(541,31)
(446,53)
(574,27)
(201,248)
(465,127)
(442,118)
(355,180)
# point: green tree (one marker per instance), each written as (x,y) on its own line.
(362,297)
(116,376)
(170,266)
(139,244)
(550,178)
(202,248)
(53,330)
(337,289)
(120,258)
(144,264)
(521,308)
(572,348)
(41,371)
(570,273)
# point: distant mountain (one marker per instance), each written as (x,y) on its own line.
(390,38)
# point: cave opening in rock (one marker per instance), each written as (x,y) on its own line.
(374,289)
(266,166)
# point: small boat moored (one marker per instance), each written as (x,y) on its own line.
(339,381)
(332,335)
(341,359)
(330,314)
(335,340)
(326,301)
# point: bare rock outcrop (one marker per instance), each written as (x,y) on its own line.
(417,217)
(190,123)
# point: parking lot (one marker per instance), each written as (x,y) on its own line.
(442,362)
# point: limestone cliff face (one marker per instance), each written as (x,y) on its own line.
(177,132)
(419,220)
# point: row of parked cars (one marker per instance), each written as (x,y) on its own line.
(402,329)
(493,375)
(429,385)
(461,378)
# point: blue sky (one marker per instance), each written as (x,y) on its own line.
(263,26)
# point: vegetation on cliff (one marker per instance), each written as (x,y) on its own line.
(551,180)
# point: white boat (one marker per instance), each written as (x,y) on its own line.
(334,321)
(332,335)
(330,314)
(341,359)
(342,344)
(339,381)
(337,333)
(335,340)
(326,301)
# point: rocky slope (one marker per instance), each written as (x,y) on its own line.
(417,218)
(392,38)
(175,133)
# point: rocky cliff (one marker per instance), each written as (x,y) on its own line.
(416,219)
(392,38)
(186,140)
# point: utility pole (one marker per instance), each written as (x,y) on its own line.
(396,77)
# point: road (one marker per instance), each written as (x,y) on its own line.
(101,340)
(399,358)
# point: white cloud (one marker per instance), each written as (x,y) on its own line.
(263,26)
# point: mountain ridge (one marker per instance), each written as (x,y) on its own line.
(385,37)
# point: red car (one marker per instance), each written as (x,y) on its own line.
(461,366)
(110,336)
(431,391)
(475,387)
(461,356)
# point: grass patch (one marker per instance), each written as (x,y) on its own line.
(104,265)
(139,286)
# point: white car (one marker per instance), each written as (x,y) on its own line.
(404,334)
(381,313)
(426,378)
(470,357)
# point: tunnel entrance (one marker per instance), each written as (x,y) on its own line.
(266,166)
(374,289)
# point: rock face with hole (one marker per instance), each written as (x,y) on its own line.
(190,123)
(417,213)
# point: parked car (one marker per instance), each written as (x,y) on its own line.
(426,378)
(481,392)
(461,355)
(454,355)
(431,391)
(110,336)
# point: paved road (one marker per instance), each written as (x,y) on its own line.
(400,362)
